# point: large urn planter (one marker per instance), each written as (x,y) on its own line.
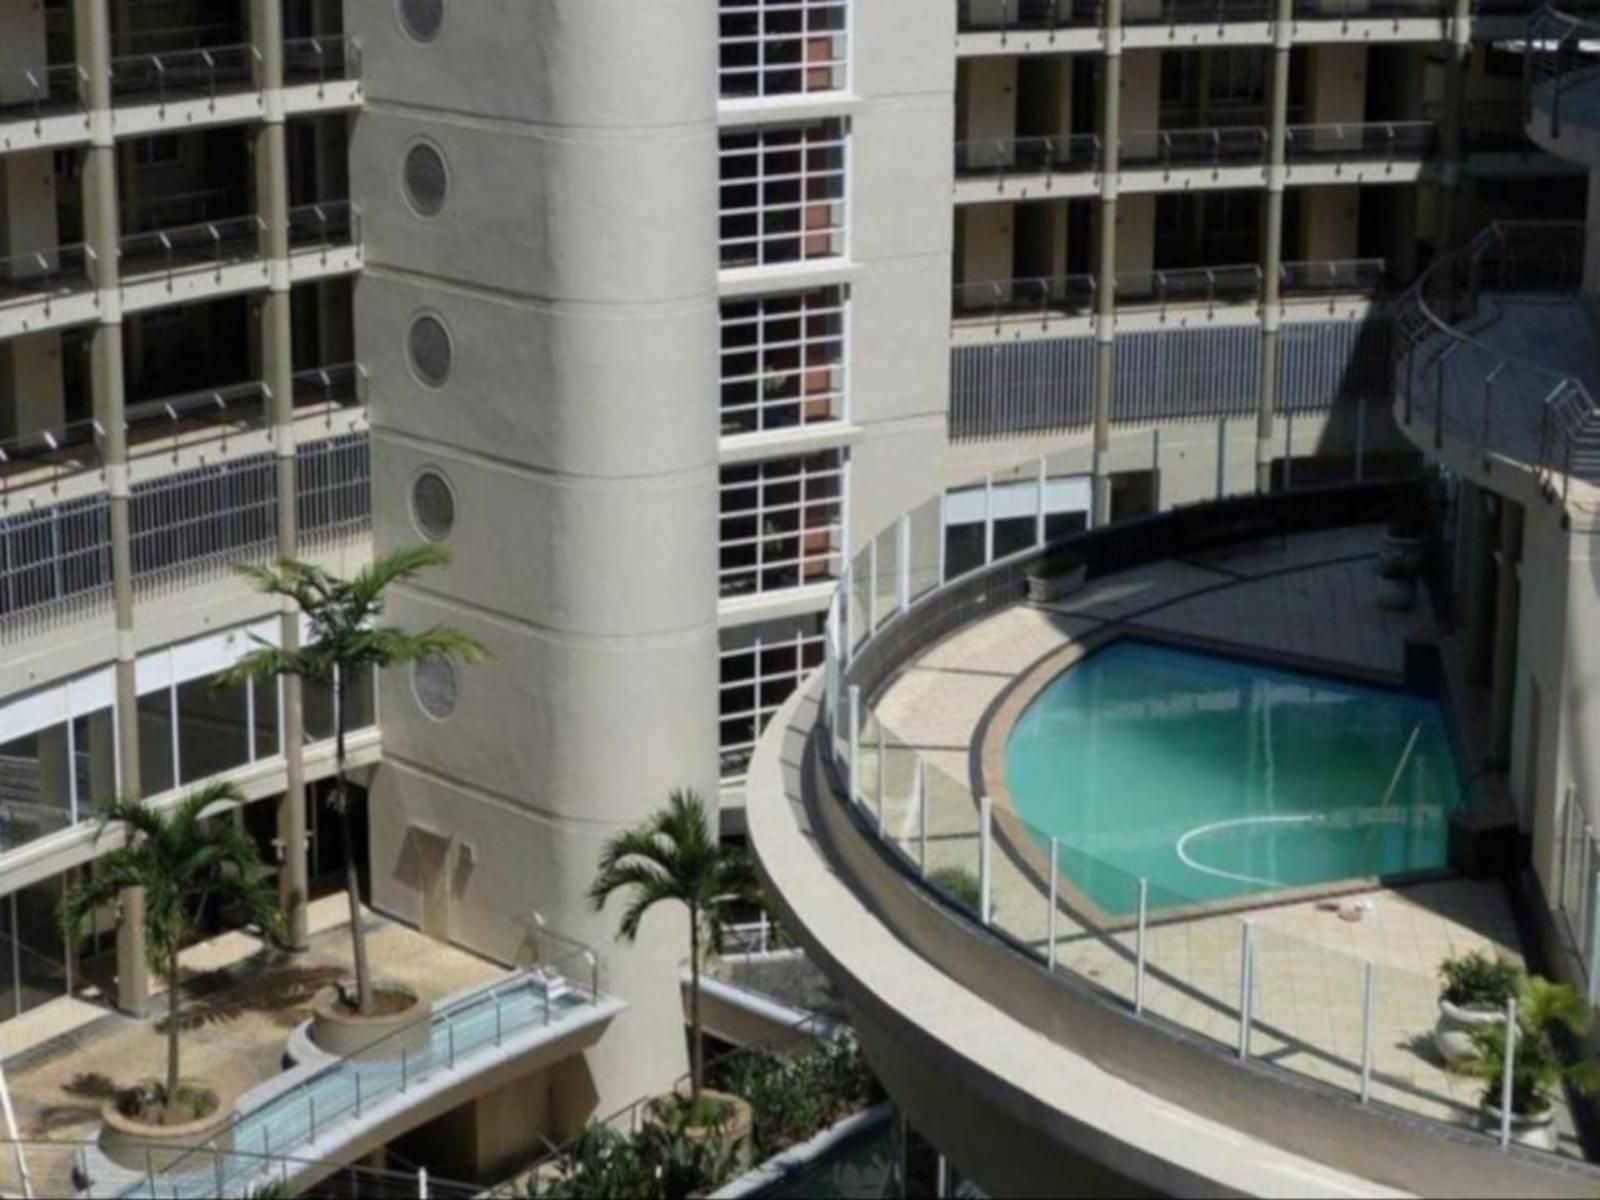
(145,1147)
(398,1025)
(1536,1131)
(734,1127)
(1396,593)
(1401,553)
(1452,1033)
(1044,588)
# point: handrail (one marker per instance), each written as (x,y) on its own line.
(186,74)
(1023,299)
(323,59)
(1560,50)
(1334,275)
(1237,281)
(56,88)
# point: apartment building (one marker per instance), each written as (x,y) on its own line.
(652,315)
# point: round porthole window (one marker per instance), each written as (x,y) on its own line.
(431,352)
(434,682)
(433,506)
(422,18)
(427,179)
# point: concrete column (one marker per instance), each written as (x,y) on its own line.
(1476,585)
(101,230)
(1272,244)
(1503,693)
(1458,52)
(276,341)
(1105,361)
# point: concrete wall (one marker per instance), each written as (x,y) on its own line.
(574,266)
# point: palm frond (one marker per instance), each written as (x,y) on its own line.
(268,662)
(403,564)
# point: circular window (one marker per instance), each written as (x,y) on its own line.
(433,506)
(422,18)
(426,179)
(430,349)
(434,681)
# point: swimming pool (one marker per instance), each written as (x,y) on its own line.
(1213,777)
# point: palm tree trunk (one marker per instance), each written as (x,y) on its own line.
(172,1025)
(696,1037)
(352,879)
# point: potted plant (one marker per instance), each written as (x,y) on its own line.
(1537,1066)
(346,640)
(1058,575)
(960,884)
(1476,989)
(1397,585)
(180,858)
(676,856)
(1404,540)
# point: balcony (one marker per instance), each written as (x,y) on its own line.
(1498,362)
(42,107)
(46,289)
(1561,78)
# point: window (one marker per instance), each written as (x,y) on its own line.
(782,47)
(781,523)
(783,361)
(783,193)
(995,520)
(756,679)
(162,150)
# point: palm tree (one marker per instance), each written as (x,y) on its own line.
(181,860)
(674,856)
(346,640)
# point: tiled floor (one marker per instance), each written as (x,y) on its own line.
(1312,598)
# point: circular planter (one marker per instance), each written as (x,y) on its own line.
(1397,595)
(734,1128)
(137,1146)
(1401,553)
(1452,1034)
(1538,1132)
(402,1028)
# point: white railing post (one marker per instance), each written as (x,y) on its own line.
(422,1183)
(922,817)
(1594,939)
(985,859)
(1247,956)
(881,775)
(1368,991)
(1138,948)
(1050,952)
(1508,1073)
(853,772)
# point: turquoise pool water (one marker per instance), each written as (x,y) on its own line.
(1213,777)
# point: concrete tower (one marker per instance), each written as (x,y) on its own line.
(539,318)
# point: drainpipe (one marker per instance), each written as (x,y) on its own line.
(1105,363)
(1272,247)
(91,21)
(272,204)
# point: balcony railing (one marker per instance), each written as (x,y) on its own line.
(38,274)
(1356,10)
(1388,141)
(1005,16)
(1195,12)
(1240,145)
(1352,276)
(331,223)
(321,60)
(31,94)
(210,244)
(1025,299)
(1229,284)
(1028,156)
(1562,62)
(173,75)
(1454,373)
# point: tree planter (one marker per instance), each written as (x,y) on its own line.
(734,1128)
(1538,1131)
(1452,1034)
(1401,552)
(139,1146)
(401,1026)
(1044,588)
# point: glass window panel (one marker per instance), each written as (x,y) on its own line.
(155,743)
(360,703)
(963,549)
(1065,524)
(316,702)
(35,795)
(213,729)
(887,584)
(94,751)
(266,730)
(42,973)
(1014,534)
(924,566)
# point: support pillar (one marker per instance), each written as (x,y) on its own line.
(101,232)
(1272,246)
(1503,694)
(1105,362)
(277,375)
(1458,51)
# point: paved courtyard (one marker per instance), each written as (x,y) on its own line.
(1311,600)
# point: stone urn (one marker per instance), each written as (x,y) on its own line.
(1452,1033)
(1044,588)
(1536,1131)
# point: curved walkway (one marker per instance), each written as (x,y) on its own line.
(1308,601)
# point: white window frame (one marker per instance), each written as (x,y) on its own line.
(828,137)
(821,499)
(828,307)
(819,20)
(759,710)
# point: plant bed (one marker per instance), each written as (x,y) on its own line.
(140,1132)
(398,1020)
(713,1118)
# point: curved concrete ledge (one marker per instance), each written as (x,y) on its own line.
(1030,1081)
(1576,137)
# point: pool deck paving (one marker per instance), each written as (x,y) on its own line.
(1310,600)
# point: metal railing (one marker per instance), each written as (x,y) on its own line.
(1236,145)
(1355,10)
(33,93)
(1334,277)
(1577,890)
(1028,156)
(1561,57)
(292,1121)
(327,224)
(1026,299)
(321,60)
(1195,12)
(1229,284)
(173,75)
(342,384)
(210,244)
(1006,16)
(59,271)
(1389,141)
(1453,375)
(1183,963)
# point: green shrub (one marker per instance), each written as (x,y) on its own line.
(1479,980)
(960,884)
(1538,1066)
(795,1096)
